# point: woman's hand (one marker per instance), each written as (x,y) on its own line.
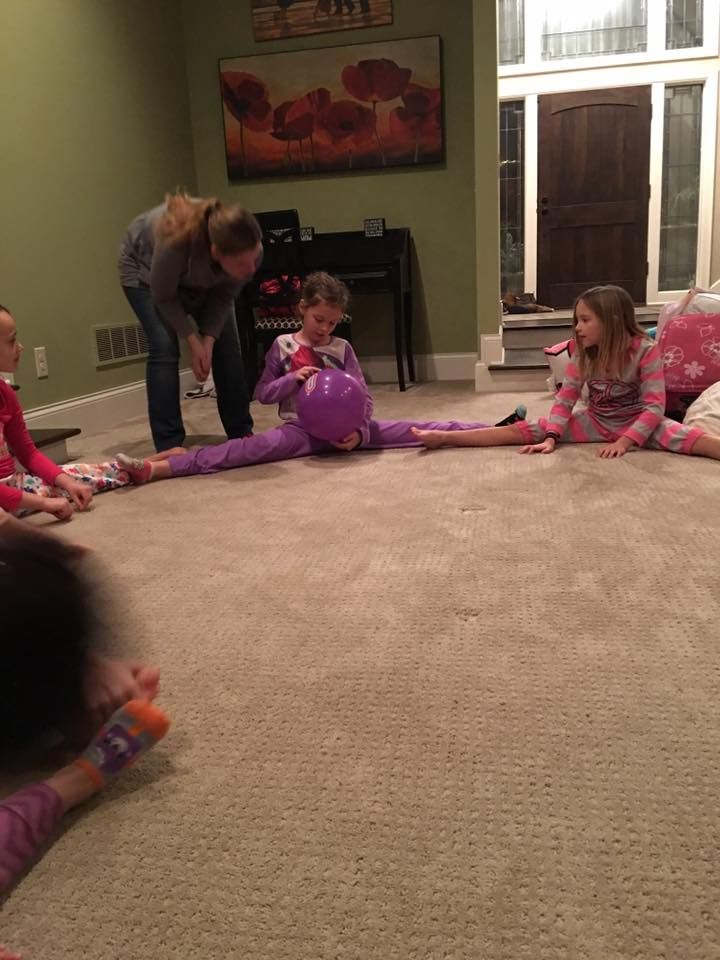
(199,358)
(350,442)
(547,446)
(208,344)
(617,449)
(80,493)
(304,373)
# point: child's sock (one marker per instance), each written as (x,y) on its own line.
(141,471)
(130,732)
(519,413)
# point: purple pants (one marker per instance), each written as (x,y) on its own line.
(27,819)
(289,440)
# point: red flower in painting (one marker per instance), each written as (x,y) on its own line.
(313,104)
(286,129)
(246,97)
(348,124)
(345,120)
(299,119)
(375,81)
(420,115)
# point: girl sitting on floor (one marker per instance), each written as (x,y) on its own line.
(623,370)
(44,486)
(291,360)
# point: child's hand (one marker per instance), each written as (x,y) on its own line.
(59,507)
(617,449)
(80,493)
(304,373)
(350,442)
(547,446)
(109,684)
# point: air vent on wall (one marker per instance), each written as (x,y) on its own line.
(121,342)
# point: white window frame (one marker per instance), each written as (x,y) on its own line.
(656,51)
(530,87)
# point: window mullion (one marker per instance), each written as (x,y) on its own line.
(534,22)
(656,26)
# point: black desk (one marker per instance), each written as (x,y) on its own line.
(371,265)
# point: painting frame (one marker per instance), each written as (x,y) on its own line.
(346,108)
(281,19)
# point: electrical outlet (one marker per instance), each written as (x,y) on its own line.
(41,365)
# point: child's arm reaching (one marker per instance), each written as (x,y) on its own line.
(28,455)
(274,384)
(565,401)
(652,395)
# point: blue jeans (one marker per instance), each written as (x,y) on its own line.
(163,380)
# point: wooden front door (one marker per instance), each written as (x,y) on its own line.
(593,191)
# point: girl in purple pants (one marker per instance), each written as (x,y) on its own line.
(291,360)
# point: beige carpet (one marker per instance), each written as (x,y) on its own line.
(426,707)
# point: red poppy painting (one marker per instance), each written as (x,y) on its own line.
(277,19)
(334,109)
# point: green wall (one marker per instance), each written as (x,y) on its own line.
(437,202)
(95,128)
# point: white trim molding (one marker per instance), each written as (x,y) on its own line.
(94,412)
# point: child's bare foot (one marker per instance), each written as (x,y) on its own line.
(432,439)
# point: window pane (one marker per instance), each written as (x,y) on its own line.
(684,24)
(511,32)
(681,184)
(512,196)
(576,29)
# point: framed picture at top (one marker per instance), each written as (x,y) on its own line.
(277,19)
(310,112)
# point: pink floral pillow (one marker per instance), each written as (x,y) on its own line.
(690,346)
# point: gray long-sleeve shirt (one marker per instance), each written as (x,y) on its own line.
(183,278)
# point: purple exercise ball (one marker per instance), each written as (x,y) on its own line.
(331,404)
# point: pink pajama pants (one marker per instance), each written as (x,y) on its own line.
(27,820)
(585,427)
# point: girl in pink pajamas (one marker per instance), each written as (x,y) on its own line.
(291,360)
(29,482)
(623,370)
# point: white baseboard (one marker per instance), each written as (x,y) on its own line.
(429,366)
(95,412)
(99,411)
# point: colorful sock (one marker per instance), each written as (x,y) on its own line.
(130,732)
(140,471)
(519,413)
